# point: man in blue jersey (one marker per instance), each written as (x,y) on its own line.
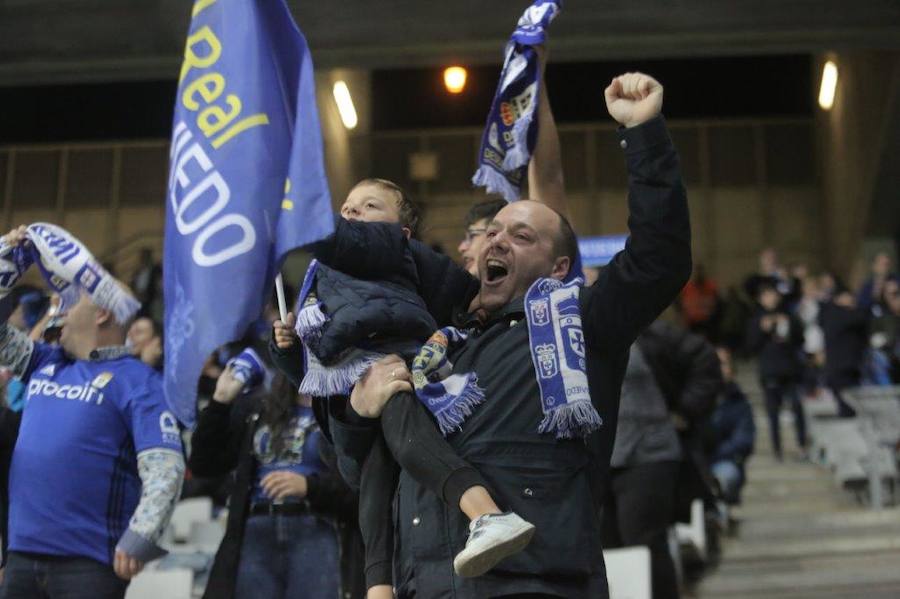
(97,466)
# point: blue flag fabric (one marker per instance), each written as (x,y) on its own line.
(511,130)
(246,183)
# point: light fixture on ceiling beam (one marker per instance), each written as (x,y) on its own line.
(345,104)
(455,79)
(829,84)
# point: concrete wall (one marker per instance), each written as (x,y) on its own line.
(852,141)
(747,185)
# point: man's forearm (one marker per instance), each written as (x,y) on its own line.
(546,183)
(15,349)
(162,473)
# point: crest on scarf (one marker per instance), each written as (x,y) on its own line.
(547,360)
(540,311)
(576,342)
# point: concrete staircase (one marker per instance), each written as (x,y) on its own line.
(799,536)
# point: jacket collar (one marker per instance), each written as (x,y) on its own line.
(110,352)
(515,308)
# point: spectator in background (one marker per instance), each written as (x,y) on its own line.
(686,368)
(772,273)
(871,292)
(639,506)
(733,434)
(846,337)
(281,539)
(736,311)
(777,337)
(147,285)
(807,311)
(828,286)
(886,330)
(145,341)
(699,304)
(477,219)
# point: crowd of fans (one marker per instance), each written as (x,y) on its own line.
(810,333)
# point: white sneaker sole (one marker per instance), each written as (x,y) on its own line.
(480,563)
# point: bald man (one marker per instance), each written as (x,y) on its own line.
(551,481)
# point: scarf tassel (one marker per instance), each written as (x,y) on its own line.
(495,182)
(321,381)
(572,420)
(311,323)
(452,418)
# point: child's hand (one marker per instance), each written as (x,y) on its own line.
(285,336)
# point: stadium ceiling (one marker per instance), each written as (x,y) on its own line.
(57,41)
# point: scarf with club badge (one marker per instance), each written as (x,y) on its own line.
(557,347)
(68,267)
(511,130)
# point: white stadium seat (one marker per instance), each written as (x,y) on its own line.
(628,573)
(161,584)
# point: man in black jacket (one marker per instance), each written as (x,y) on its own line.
(777,337)
(556,482)
(845,326)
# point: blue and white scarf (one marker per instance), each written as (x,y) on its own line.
(558,348)
(335,378)
(248,368)
(451,398)
(511,130)
(68,267)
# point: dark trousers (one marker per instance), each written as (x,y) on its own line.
(411,441)
(285,556)
(838,383)
(30,576)
(638,509)
(777,390)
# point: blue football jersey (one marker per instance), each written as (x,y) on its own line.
(74,482)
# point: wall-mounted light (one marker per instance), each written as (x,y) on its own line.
(829,84)
(455,79)
(345,104)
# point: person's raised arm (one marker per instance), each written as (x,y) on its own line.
(16,348)
(644,278)
(546,183)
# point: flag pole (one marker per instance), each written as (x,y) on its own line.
(279,291)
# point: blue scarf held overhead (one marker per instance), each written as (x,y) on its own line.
(68,268)
(558,348)
(511,130)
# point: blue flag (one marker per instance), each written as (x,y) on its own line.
(246,182)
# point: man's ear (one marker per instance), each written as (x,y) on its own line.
(406,231)
(103,317)
(561,268)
